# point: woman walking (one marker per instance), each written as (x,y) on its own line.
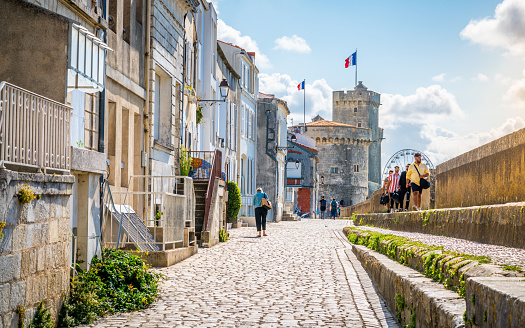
(260,211)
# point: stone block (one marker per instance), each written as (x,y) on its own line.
(18,293)
(19,237)
(10,267)
(6,242)
(13,212)
(29,290)
(32,235)
(5,296)
(64,229)
(58,207)
(41,259)
(10,320)
(27,213)
(39,286)
(42,209)
(44,233)
(53,231)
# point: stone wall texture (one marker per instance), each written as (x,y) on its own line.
(495,224)
(35,251)
(490,174)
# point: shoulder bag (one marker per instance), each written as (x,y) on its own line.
(266,203)
(422,181)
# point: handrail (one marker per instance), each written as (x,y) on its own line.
(214,174)
(34,130)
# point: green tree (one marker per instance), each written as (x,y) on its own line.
(234,201)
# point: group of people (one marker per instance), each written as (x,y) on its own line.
(398,187)
(333,207)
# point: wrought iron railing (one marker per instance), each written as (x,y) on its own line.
(34,130)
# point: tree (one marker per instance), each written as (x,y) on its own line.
(234,201)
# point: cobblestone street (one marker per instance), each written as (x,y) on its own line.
(297,276)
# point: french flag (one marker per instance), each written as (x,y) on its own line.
(300,86)
(351,61)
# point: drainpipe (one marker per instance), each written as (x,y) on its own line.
(181,109)
(101,137)
(147,143)
(267,128)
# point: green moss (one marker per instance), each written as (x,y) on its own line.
(511,268)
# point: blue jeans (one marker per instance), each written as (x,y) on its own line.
(333,213)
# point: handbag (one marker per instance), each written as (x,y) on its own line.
(422,182)
(266,203)
(396,196)
(384,199)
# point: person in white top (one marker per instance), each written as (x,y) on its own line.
(392,187)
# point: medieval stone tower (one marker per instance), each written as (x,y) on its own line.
(360,108)
(349,147)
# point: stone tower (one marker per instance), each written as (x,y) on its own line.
(360,108)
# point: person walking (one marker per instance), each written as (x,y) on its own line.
(260,212)
(415,173)
(322,207)
(333,208)
(393,187)
(404,190)
(385,190)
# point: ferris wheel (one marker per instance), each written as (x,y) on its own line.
(403,157)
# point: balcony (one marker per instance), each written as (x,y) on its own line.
(34,131)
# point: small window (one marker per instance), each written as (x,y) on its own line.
(355,109)
(356,167)
(333,170)
(359,124)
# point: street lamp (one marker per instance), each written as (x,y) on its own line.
(224,90)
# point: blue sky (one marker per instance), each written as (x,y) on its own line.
(451,73)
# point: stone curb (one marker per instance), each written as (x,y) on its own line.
(414,298)
(494,224)
(495,302)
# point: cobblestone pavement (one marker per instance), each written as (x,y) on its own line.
(498,254)
(298,276)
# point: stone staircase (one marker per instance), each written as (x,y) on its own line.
(289,216)
(200,187)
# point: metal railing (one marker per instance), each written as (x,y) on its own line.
(149,220)
(34,130)
(207,165)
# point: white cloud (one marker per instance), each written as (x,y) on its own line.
(229,34)
(439,78)
(216,4)
(445,144)
(318,95)
(293,43)
(505,30)
(429,104)
(515,94)
(480,78)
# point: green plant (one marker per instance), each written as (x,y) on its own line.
(116,282)
(400,304)
(505,267)
(25,194)
(223,235)
(2,226)
(234,201)
(21,311)
(185,162)
(43,318)
(80,144)
(200,115)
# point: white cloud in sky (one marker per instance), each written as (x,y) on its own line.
(480,78)
(433,103)
(439,78)
(293,43)
(444,145)
(229,34)
(318,95)
(505,30)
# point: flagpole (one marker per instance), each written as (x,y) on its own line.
(304,104)
(356,67)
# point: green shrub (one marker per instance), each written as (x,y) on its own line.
(2,226)
(199,115)
(185,162)
(223,235)
(26,195)
(234,201)
(116,282)
(43,318)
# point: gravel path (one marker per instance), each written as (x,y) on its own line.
(498,254)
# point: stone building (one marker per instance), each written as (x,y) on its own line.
(349,146)
(272,148)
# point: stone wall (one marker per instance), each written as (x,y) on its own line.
(35,251)
(490,174)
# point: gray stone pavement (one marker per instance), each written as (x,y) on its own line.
(297,276)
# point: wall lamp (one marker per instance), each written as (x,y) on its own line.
(224,89)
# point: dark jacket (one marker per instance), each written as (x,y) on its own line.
(403,180)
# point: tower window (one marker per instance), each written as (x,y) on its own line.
(359,124)
(333,170)
(356,167)
(355,109)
